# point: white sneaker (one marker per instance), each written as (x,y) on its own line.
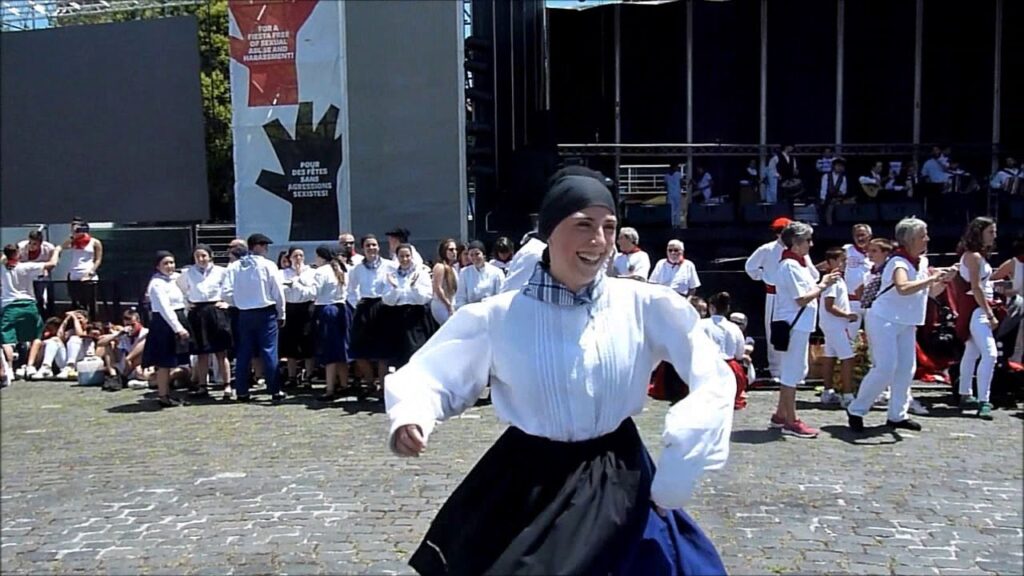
(846,400)
(883,400)
(25,372)
(135,384)
(917,409)
(64,374)
(830,398)
(44,373)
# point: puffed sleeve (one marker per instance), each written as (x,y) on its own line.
(443,378)
(697,429)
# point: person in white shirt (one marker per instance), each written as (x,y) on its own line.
(674,192)
(833,189)
(405,299)
(891,325)
(504,250)
(796,311)
(761,267)
(370,336)
(1007,179)
(19,319)
(1012,270)
(86,254)
(824,164)
(839,324)
(126,344)
(675,271)
(520,269)
(396,238)
(858,264)
(702,183)
(478,281)
(167,344)
(445,281)
(332,319)
(347,251)
(632,262)
(872,183)
(980,351)
(208,320)
(729,339)
(296,338)
(569,394)
(254,284)
(35,249)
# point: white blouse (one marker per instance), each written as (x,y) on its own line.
(573,373)
(680,277)
(299,287)
(634,264)
(415,288)
(475,285)
(909,309)
(793,281)
(326,286)
(202,285)
(164,298)
(365,282)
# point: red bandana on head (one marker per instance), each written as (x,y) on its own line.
(790,255)
(915,261)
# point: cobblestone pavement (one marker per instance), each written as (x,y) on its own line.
(96,482)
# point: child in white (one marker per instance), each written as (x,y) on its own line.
(839,324)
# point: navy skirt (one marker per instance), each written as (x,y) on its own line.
(163,349)
(210,327)
(332,322)
(369,334)
(410,326)
(536,506)
(296,336)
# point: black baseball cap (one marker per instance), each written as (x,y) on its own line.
(257,239)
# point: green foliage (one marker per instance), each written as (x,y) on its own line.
(214,55)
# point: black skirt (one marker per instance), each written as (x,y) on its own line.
(409,327)
(296,336)
(210,327)
(332,321)
(163,349)
(538,506)
(369,335)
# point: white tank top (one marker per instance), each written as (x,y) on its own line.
(1018,278)
(82,260)
(986,275)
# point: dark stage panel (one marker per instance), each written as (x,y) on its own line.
(654,73)
(583,74)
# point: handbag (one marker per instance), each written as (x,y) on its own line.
(781,329)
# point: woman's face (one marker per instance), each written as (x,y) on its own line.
(477,257)
(451,252)
(988,236)
(404,258)
(298,258)
(201,258)
(166,265)
(371,248)
(876,254)
(802,246)
(580,244)
(464,259)
(918,243)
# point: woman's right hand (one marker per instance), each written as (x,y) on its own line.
(409,440)
(183,335)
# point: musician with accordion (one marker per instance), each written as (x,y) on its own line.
(1008,179)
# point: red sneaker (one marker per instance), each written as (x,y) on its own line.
(800,430)
(777,422)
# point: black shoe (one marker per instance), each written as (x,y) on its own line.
(277,399)
(200,393)
(907,424)
(245,399)
(167,401)
(856,422)
(326,397)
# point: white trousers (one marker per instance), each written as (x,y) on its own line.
(439,311)
(55,355)
(793,366)
(894,359)
(771,191)
(774,357)
(981,346)
(1018,347)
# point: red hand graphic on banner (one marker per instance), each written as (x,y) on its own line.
(267,47)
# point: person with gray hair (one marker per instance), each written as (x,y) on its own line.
(891,323)
(631,262)
(675,271)
(796,304)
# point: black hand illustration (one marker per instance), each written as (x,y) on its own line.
(310,161)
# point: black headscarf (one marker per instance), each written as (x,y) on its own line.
(570,194)
(159,257)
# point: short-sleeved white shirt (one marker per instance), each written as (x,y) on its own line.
(792,281)
(909,309)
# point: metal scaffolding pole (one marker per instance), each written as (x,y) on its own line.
(689,113)
(997,78)
(763,138)
(618,87)
(840,54)
(918,36)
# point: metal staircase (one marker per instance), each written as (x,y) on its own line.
(217,237)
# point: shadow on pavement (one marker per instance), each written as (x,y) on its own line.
(865,438)
(755,436)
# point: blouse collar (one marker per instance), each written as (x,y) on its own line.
(544,287)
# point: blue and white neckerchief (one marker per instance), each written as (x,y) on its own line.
(545,288)
(372,264)
(402,273)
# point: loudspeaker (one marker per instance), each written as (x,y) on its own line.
(643,215)
(854,213)
(712,213)
(896,211)
(758,213)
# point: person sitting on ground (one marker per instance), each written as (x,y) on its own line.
(503,252)
(125,344)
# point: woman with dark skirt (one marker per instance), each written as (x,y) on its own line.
(296,336)
(167,344)
(332,319)
(367,283)
(208,319)
(570,488)
(405,313)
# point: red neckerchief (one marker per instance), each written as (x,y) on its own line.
(790,255)
(863,251)
(915,261)
(33,255)
(633,251)
(80,242)
(11,262)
